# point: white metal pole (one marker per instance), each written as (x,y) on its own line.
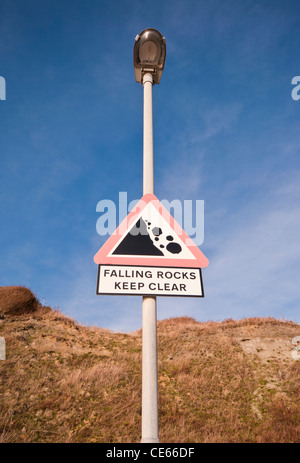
(148,168)
(149,360)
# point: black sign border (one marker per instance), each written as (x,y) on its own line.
(147,294)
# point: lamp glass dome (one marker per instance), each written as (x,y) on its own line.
(148,51)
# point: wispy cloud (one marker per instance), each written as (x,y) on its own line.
(255,267)
(187,148)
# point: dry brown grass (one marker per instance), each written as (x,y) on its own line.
(18,300)
(217,392)
(233,381)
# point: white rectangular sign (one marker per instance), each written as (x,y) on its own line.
(149,281)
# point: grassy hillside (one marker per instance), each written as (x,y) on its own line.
(234,381)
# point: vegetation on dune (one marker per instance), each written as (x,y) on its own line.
(234,381)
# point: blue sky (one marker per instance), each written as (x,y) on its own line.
(226,131)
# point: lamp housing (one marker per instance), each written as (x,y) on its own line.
(149,55)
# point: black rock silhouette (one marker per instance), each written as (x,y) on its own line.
(138,242)
(156,231)
(174,248)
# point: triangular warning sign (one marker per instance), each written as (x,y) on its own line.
(149,235)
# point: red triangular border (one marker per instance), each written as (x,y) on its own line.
(102,256)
